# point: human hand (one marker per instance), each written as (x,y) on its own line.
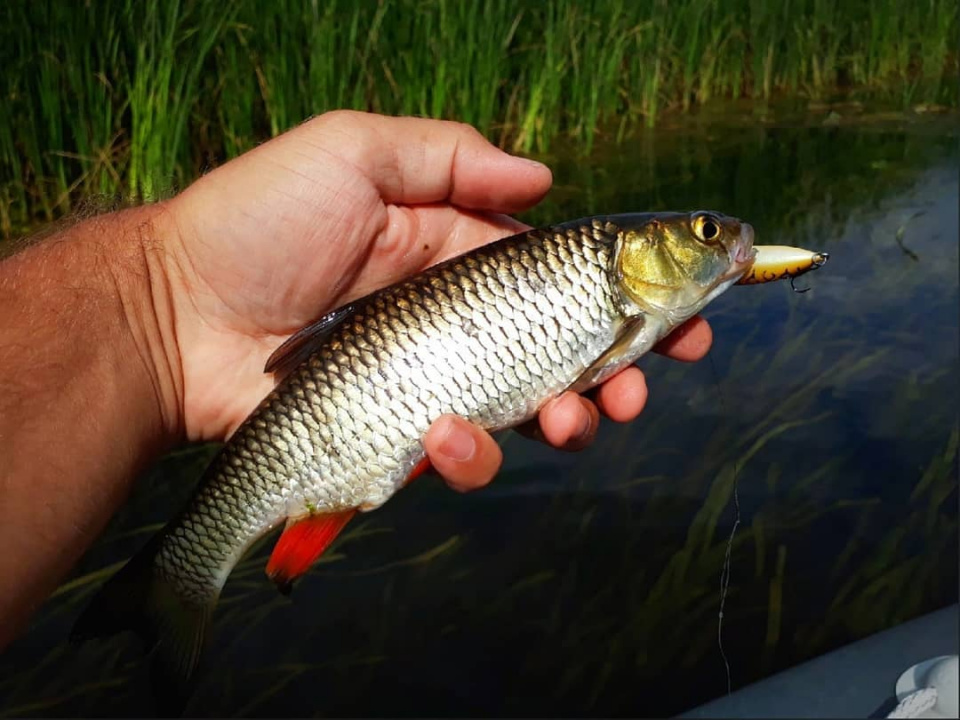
(326,213)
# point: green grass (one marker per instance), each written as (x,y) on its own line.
(134,99)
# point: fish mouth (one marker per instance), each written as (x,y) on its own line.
(742,253)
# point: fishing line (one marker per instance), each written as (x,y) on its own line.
(725,572)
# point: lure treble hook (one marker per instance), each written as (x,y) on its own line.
(800,291)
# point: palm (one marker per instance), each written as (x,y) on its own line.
(314,232)
(329,212)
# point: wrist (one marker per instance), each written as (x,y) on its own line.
(136,255)
(86,308)
(111,270)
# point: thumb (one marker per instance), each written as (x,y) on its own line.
(417,160)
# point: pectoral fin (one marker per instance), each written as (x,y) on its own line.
(630,345)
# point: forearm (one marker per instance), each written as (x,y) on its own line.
(84,403)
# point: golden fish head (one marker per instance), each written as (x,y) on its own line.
(675,263)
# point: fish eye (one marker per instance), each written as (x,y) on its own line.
(706,227)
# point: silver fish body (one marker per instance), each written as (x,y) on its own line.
(491,336)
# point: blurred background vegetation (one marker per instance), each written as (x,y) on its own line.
(134,98)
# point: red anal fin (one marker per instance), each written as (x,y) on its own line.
(421,467)
(302,542)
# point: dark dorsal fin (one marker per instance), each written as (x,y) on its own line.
(302,343)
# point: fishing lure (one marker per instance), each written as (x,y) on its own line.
(779,262)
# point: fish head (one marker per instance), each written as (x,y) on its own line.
(674,264)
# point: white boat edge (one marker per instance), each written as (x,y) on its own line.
(858,680)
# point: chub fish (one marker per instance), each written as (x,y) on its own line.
(490,335)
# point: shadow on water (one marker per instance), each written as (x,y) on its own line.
(588,584)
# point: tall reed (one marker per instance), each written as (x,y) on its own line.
(133,98)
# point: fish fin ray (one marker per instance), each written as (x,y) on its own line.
(614,359)
(298,347)
(140,600)
(178,655)
(303,541)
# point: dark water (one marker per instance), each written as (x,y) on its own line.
(588,584)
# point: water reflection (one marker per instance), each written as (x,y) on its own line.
(588,583)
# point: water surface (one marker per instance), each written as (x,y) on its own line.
(588,584)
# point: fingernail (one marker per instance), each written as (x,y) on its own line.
(533,163)
(458,442)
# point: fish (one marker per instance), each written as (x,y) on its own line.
(490,335)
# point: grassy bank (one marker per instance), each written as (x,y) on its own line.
(128,98)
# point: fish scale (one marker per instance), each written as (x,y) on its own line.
(490,336)
(428,346)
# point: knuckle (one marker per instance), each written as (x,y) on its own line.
(338,122)
(468,131)
(338,118)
